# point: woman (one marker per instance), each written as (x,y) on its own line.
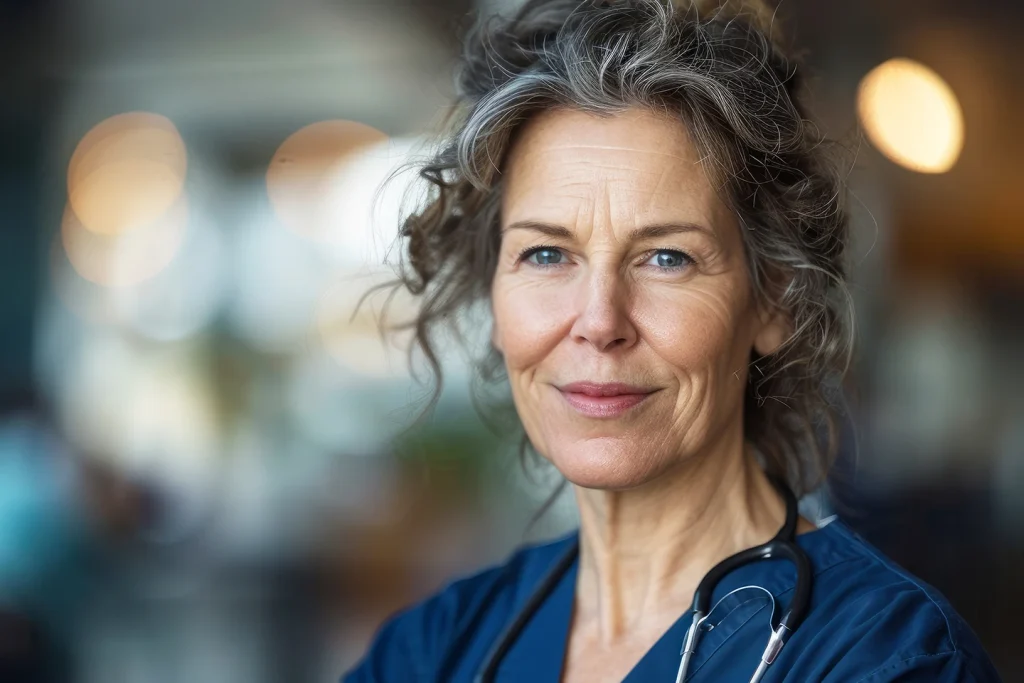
(635,190)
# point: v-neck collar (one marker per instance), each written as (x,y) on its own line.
(538,654)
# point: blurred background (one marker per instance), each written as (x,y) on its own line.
(205,471)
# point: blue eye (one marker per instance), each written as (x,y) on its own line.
(670,259)
(542,256)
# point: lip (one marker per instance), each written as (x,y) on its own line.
(603,400)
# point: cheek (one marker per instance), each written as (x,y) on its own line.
(694,328)
(529,320)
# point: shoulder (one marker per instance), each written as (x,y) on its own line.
(889,624)
(416,638)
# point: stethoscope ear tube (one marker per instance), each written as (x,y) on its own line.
(783,545)
(508,636)
(794,614)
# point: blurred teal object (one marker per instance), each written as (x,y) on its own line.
(36,516)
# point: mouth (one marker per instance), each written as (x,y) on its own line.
(603,400)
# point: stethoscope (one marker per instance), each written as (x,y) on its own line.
(783,545)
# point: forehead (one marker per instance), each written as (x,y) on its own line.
(630,167)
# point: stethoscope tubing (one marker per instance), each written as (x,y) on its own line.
(783,546)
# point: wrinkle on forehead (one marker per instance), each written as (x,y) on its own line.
(622,148)
(633,166)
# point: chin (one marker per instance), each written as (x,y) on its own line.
(605,464)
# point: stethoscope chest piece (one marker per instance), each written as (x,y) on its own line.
(783,546)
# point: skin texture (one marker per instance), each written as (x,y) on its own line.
(668,488)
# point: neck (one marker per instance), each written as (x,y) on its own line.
(643,551)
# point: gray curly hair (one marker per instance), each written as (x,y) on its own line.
(719,68)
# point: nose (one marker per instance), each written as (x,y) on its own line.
(603,318)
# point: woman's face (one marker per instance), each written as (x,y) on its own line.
(622,303)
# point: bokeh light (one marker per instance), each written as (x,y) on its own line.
(911,115)
(370,193)
(127,258)
(126,172)
(300,178)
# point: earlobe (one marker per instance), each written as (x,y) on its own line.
(772,334)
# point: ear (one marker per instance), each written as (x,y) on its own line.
(774,322)
(774,329)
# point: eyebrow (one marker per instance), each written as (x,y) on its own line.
(642,233)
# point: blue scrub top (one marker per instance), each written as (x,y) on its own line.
(869,621)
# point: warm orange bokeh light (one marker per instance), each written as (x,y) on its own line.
(302,174)
(126,172)
(126,259)
(911,115)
